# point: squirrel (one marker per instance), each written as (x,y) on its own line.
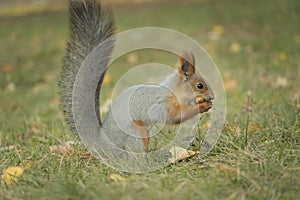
(182,95)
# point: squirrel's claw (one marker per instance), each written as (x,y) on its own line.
(205,106)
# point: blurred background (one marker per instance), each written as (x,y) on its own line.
(255,44)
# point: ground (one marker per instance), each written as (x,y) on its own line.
(255,44)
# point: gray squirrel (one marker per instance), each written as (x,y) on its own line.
(183,94)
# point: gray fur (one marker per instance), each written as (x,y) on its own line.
(90,24)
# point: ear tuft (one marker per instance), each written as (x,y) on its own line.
(187,64)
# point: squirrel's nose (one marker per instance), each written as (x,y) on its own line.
(211,97)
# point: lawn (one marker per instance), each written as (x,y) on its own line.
(256,46)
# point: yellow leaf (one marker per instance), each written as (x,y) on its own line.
(282,56)
(116,177)
(179,153)
(132,58)
(107,79)
(233,128)
(206,125)
(11,174)
(235,48)
(219,29)
(230,84)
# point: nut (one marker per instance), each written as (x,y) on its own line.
(199,100)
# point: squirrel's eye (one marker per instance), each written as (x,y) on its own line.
(200,86)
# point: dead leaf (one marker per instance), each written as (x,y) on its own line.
(62,149)
(216,32)
(206,125)
(230,84)
(116,178)
(11,87)
(7,67)
(255,127)
(7,148)
(132,58)
(233,128)
(282,56)
(280,82)
(179,154)
(11,174)
(218,29)
(235,48)
(107,79)
(85,155)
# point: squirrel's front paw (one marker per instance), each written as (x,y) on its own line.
(205,106)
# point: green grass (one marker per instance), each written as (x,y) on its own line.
(257,155)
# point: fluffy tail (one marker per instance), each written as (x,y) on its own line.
(90,24)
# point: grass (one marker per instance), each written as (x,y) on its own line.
(257,155)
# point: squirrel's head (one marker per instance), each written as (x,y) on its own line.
(190,81)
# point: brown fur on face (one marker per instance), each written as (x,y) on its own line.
(187,74)
(188,98)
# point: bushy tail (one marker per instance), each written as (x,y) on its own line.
(90,24)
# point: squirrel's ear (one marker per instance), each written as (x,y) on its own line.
(187,64)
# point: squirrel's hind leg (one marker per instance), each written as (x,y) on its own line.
(142,129)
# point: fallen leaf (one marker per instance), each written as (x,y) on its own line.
(282,56)
(11,87)
(255,127)
(179,153)
(107,79)
(235,48)
(116,177)
(206,125)
(216,32)
(11,174)
(230,84)
(233,128)
(219,29)
(7,148)
(62,149)
(85,155)
(280,82)
(132,58)
(7,67)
